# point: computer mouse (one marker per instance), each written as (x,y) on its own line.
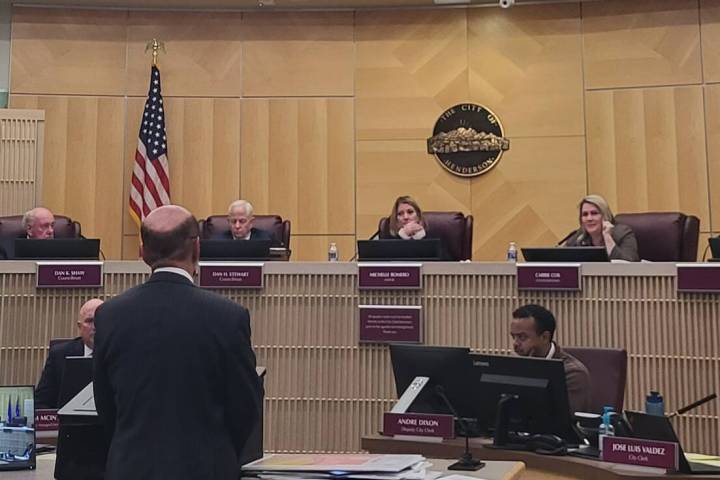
(546,444)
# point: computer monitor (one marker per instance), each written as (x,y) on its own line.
(17,427)
(399,250)
(714,247)
(541,404)
(566,254)
(57,248)
(445,366)
(76,376)
(234,249)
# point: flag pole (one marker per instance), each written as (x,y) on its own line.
(156,46)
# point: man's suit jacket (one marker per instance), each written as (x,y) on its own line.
(255,234)
(174,381)
(577,380)
(7,247)
(48,388)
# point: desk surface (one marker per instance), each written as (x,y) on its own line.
(573,467)
(503,470)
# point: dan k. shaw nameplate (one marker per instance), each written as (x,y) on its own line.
(69,274)
(230,275)
(548,276)
(390,323)
(634,451)
(419,424)
(390,275)
(698,277)
(46,420)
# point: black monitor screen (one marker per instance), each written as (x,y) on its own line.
(399,250)
(76,376)
(566,254)
(446,366)
(542,404)
(714,246)
(58,248)
(17,427)
(235,249)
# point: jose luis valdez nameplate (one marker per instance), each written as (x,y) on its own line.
(407,276)
(230,275)
(698,277)
(548,276)
(69,274)
(634,451)
(390,323)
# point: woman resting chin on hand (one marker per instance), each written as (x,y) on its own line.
(406,219)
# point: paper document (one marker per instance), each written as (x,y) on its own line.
(337,465)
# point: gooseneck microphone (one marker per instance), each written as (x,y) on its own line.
(466,462)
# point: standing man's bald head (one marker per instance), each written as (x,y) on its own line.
(86,321)
(170,238)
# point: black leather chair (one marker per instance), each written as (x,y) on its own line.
(216,225)
(453,228)
(664,236)
(65,227)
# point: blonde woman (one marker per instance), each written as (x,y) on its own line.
(598,229)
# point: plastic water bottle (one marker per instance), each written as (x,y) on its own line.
(654,404)
(512,252)
(606,427)
(333,253)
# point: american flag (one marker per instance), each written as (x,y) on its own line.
(150,184)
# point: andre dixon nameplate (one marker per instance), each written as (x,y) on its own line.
(468,140)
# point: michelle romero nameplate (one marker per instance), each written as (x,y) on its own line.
(698,277)
(390,276)
(548,276)
(69,274)
(230,275)
(390,323)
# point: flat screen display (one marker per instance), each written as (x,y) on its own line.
(17,427)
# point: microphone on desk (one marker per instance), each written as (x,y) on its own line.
(566,238)
(466,462)
(696,404)
(374,236)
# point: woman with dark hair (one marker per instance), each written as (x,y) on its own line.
(598,229)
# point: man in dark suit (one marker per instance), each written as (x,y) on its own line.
(241,220)
(48,388)
(174,371)
(38,223)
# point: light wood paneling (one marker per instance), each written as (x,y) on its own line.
(298,54)
(526,66)
(83,162)
(507,203)
(308,248)
(710,30)
(635,44)
(203,53)
(22,138)
(411,66)
(712,119)
(388,169)
(646,150)
(297,161)
(61,51)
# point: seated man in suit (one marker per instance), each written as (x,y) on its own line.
(532,329)
(38,222)
(48,388)
(240,220)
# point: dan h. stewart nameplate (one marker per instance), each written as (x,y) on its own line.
(230,275)
(698,277)
(390,275)
(635,451)
(69,274)
(419,424)
(390,323)
(46,420)
(548,276)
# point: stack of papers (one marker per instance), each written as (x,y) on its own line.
(340,467)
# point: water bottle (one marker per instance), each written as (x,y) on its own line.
(512,252)
(333,253)
(606,427)
(654,404)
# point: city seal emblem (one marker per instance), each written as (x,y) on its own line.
(468,140)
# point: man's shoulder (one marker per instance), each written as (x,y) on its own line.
(572,363)
(66,347)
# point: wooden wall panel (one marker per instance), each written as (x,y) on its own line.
(83,162)
(635,44)
(506,202)
(298,54)
(388,169)
(410,67)
(712,119)
(646,150)
(22,139)
(203,53)
(526,66)
(62,51)
(297,161)
(710,33)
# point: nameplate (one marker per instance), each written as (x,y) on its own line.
(46,420)
(635,451)
(419,424)
(698,277)
(69,274)
(390,323)
(390,275)
(548,276)
(230,275)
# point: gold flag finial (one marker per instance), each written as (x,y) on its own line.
(156,46)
